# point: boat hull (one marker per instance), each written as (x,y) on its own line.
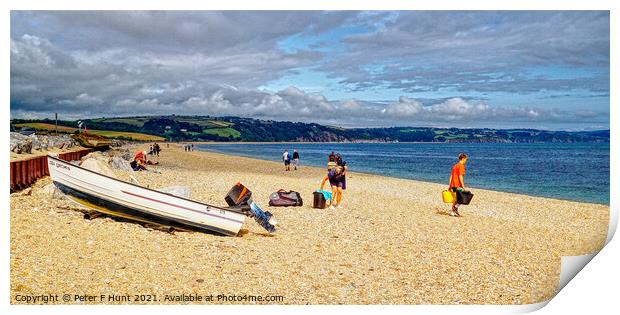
(144,204)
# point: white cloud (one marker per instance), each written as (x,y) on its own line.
(83,64)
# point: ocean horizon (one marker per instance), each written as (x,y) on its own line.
(569,171)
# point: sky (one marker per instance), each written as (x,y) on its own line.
(468,69)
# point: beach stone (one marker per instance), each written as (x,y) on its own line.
(20,144)
(120,164)
(25,147)
(25,144)
(124,154)
(53,192)
(97,162)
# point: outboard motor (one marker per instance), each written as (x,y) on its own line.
(263,218)
(240,198)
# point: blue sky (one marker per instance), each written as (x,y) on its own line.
(501,69)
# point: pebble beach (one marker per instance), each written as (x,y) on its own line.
(392,243)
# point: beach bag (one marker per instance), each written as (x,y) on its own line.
(447,196)
(463,197)
(282,198)
(319,200)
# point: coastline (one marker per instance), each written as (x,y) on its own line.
(391,244)
(393,175)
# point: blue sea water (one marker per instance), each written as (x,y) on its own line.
(572,171)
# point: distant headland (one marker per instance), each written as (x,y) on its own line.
(229,128)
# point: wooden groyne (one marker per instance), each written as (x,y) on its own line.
(25,172)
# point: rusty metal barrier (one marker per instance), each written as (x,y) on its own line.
(25,172)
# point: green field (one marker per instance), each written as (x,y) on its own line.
(103,133)
(206,123)
(412,130)
(139,122)
(124,134)
(223,132)
(457,136)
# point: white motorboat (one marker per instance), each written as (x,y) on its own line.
(123,199)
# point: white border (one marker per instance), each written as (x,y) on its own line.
(595,289)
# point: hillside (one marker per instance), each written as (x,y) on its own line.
(48,127)
(206,128)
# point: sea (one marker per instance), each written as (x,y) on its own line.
(570,171)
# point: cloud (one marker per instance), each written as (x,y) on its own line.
(461,111)
(105,63)
(219,32)
(45,77)
(497,51)
(111,83)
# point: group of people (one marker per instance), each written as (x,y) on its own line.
(154,149)
(287,158)
(337,171)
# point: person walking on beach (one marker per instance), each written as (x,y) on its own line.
(456,181)
(286,157)
(342,163)
(295,159)
(156,149)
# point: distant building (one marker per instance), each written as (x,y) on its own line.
(168,127)
(184,130)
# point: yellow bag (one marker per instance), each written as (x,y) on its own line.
(447,196)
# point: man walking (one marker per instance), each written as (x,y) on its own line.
(456,181)
(295,159)
(286,157)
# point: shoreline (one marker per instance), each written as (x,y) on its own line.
(391,244)
(369,142)
(405,178)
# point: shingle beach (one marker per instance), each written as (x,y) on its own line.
(393,243)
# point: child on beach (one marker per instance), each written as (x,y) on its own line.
(456,181)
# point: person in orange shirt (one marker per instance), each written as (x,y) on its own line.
(139,161)
(456,180)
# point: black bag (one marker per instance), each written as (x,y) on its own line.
(463,197)
(319,200)
(282,198)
